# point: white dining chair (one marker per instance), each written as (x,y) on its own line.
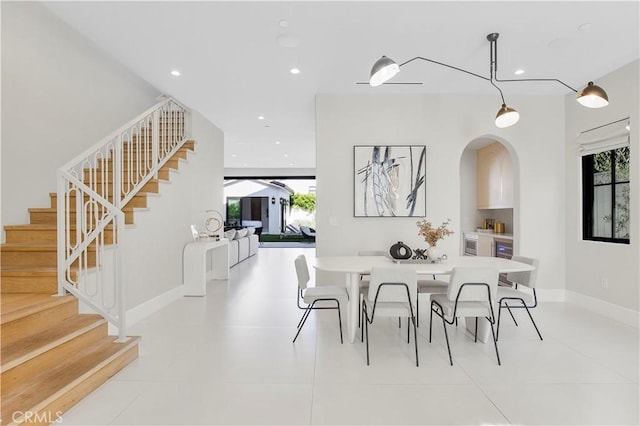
(391,294)
(429,286)
(364,278)
(312,295)
(471,293)
(526,296)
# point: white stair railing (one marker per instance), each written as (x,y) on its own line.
(93,190)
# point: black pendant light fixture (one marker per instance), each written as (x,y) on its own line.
(591,96)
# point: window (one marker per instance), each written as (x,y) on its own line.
(605,187)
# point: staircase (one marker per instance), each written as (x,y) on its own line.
(51,355)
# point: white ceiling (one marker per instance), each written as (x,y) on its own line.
(235,68)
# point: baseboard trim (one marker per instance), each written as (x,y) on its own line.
(551,295)
(616,312)
(147,308)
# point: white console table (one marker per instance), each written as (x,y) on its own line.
(202,261)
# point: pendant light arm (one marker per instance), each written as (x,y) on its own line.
(499,90)
(493,59)
(536,79)
(445,65)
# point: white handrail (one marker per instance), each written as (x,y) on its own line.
(93,190)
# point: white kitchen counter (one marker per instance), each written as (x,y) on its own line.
(490,234)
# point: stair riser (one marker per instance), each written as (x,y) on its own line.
(51,218)
(81,390)
(37,322)
(21,284)
(51,358)
(48,236)
(31,259)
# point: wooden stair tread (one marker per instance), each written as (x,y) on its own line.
(47,385)
(54,210)
(33,345)
(33,246)
(41,226)
(25,271)
(19,305)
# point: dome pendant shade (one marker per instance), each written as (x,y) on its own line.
(506,117)
(593,96)
(383,70)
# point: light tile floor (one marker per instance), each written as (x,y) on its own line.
(227,358)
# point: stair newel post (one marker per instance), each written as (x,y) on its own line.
(119,284)
(61,232)
(155,140)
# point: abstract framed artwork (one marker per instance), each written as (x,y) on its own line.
(390,181)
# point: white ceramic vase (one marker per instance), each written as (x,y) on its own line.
(433,253)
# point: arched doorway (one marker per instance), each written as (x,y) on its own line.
(489,186)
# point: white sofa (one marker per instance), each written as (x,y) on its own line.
(243,243)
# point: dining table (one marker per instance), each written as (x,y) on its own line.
(355,266)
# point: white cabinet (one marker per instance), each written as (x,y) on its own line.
(495,177)
(486,246)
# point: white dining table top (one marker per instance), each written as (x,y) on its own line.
(364,264)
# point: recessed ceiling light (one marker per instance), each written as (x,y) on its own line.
(234,155)
(286,155)
(277,142)
(260,117)
(295,71)
(291,164)
(586,26)
(283,24)
(519,71)
(175,73)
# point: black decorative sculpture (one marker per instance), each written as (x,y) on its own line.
(400,251)
(420,254)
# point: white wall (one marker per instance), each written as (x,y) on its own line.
(155,243)
(60,95)
(589,262)
(445,124)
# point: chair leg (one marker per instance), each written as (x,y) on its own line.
(303,320)
(495,342)
(499,314)
(399,322)
(476,332)
(366,332)
(340,322)
(302,317)
(408,329)
(430,322)
(446,336)
(532,321)
(417,309)
(511,313)
(415,337)
(362,327)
